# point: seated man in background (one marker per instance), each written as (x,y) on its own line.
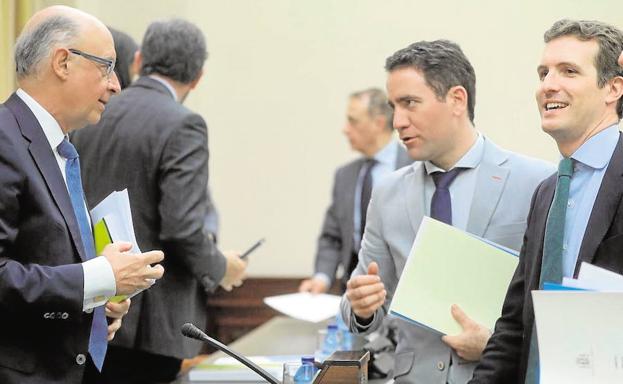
(369,131)
(163,149)
(461,178)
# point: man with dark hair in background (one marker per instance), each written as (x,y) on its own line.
(461,178)
(369,130)
(163,162)
(576,215)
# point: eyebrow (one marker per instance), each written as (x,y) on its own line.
(561,64)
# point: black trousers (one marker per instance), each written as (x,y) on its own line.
(129,366)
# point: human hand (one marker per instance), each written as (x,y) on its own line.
(313,285)
(133,272)
(116,311)
(470,343)
(366,293)
(234,272)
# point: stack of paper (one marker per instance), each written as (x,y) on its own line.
(579,329)
(227,369)
(305,306)
(112,222)
(448,266)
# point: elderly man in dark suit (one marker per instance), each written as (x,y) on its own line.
(52,288)
(158,150)
(369,130)
(576,215)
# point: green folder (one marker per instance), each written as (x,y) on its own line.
(102,239)
(449,266)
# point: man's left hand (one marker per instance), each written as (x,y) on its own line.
(116,311)
(470,343)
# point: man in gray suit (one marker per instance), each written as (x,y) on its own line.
(462,178)
(149,143)
(369,130)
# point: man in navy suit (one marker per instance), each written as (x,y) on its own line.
(53,291)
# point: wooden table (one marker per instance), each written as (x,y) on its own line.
(279,336)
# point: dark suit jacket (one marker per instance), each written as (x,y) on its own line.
(335,244)
(505,358)
(42,326)
(157,149)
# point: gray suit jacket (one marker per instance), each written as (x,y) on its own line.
(505,183)
(335,244)
(156,148)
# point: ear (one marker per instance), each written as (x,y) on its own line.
(194,83)
(615,91)
(621,59)
(60,63)
(137,62)
(457,99)
(380,121)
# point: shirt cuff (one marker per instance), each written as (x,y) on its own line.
(324,277)
(99,282)
(362,327)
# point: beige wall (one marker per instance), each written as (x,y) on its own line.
(276,83)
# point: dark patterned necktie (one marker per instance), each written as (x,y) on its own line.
(441,203)
(551,265)
(98,339)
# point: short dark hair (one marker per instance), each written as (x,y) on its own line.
(609,39)
(126,47)
(377,104)
(443,65)
(173,48)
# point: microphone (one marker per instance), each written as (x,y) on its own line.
(189,330)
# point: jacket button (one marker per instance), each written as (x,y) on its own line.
(80,359)
(440,365)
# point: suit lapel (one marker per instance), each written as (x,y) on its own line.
(604,208)
(43,157)
(350,180)
(414,195)
(490,180)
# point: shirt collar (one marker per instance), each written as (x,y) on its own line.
(597,150)
(471,159)
(387,154)
(50,126)
(166,85)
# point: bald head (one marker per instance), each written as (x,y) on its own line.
(50,28)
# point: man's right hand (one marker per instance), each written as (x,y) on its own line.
(133,271)
(313,285)
(234,272)
(366,293)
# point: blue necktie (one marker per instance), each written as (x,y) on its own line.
(98,340)
(441,203)
(551,265)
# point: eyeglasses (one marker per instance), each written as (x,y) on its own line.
(109,64)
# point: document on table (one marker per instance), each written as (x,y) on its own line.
(228,369)
(305,306)
(580,336)
(449,266)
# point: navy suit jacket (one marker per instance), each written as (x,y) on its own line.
(44,333)
(506,356)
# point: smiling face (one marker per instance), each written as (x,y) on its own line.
(571,104)
(88,88)
(424,123)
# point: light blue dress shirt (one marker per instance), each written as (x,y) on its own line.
(590,163)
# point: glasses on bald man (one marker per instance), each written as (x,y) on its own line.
(109,65)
